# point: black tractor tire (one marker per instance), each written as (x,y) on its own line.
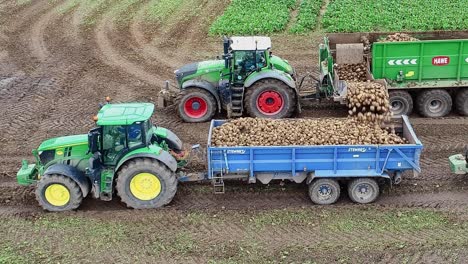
(434,103)
(461,101)
(167,182)
(331,194)
(363,190)
(401,103)
(286,94)
(74,192)
(203,98)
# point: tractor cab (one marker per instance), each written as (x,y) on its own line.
(115,135)
(244,55)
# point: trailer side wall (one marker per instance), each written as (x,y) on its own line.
(429,63)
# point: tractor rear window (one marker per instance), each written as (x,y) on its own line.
(134,135)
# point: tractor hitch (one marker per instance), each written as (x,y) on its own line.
(167,95)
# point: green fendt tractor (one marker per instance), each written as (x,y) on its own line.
(124,151)
(248,77)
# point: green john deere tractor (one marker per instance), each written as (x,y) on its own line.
(248,77)
(125,153)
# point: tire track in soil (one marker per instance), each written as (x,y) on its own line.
(32,103)
(38,31)
(147,49)
(439,143)
(195,31)
(451,120)
(113,58)
(23,14)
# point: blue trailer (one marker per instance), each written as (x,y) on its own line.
(323,168)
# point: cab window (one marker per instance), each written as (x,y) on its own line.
(113,142)
(244,63)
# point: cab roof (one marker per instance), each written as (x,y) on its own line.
(250,43)
(124,114)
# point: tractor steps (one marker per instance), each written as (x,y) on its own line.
(108,181)
(237,100)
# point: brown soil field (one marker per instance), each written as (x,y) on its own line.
(59,59)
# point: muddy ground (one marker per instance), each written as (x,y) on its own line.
(58,62)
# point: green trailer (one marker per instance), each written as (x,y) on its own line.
(431,73)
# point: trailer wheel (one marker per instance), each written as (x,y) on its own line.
(461,102)
(196,105)
(270,99)
(363,190)
(146,183)
(324,191)
(401,102)
(57,193)
(434,103)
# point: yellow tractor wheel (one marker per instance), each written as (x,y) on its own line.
(145,186)
(146,183)
(57,193)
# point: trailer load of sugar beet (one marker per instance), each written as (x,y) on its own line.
(286,132)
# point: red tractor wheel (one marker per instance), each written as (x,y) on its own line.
(196,105)
(270,99)
(270,103)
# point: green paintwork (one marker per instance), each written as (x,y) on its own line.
(264,70)
(107,177)
(213,71)
(206,70)
(124,114)
(416,62)
(77,156)
(26,175)
(151,149)
(62,142)
(281,64)
(326,65)
(160,132)
(458,164)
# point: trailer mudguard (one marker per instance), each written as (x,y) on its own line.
(170,137)
(202,84)
(152,152)
(270,74)
(78,176)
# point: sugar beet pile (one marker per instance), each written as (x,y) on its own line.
(368,109)
(278,132)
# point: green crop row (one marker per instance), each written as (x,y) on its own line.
(395,15)
(253,17)
(307,17)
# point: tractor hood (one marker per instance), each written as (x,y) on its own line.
(282,65)
(61,142)
(193,70)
